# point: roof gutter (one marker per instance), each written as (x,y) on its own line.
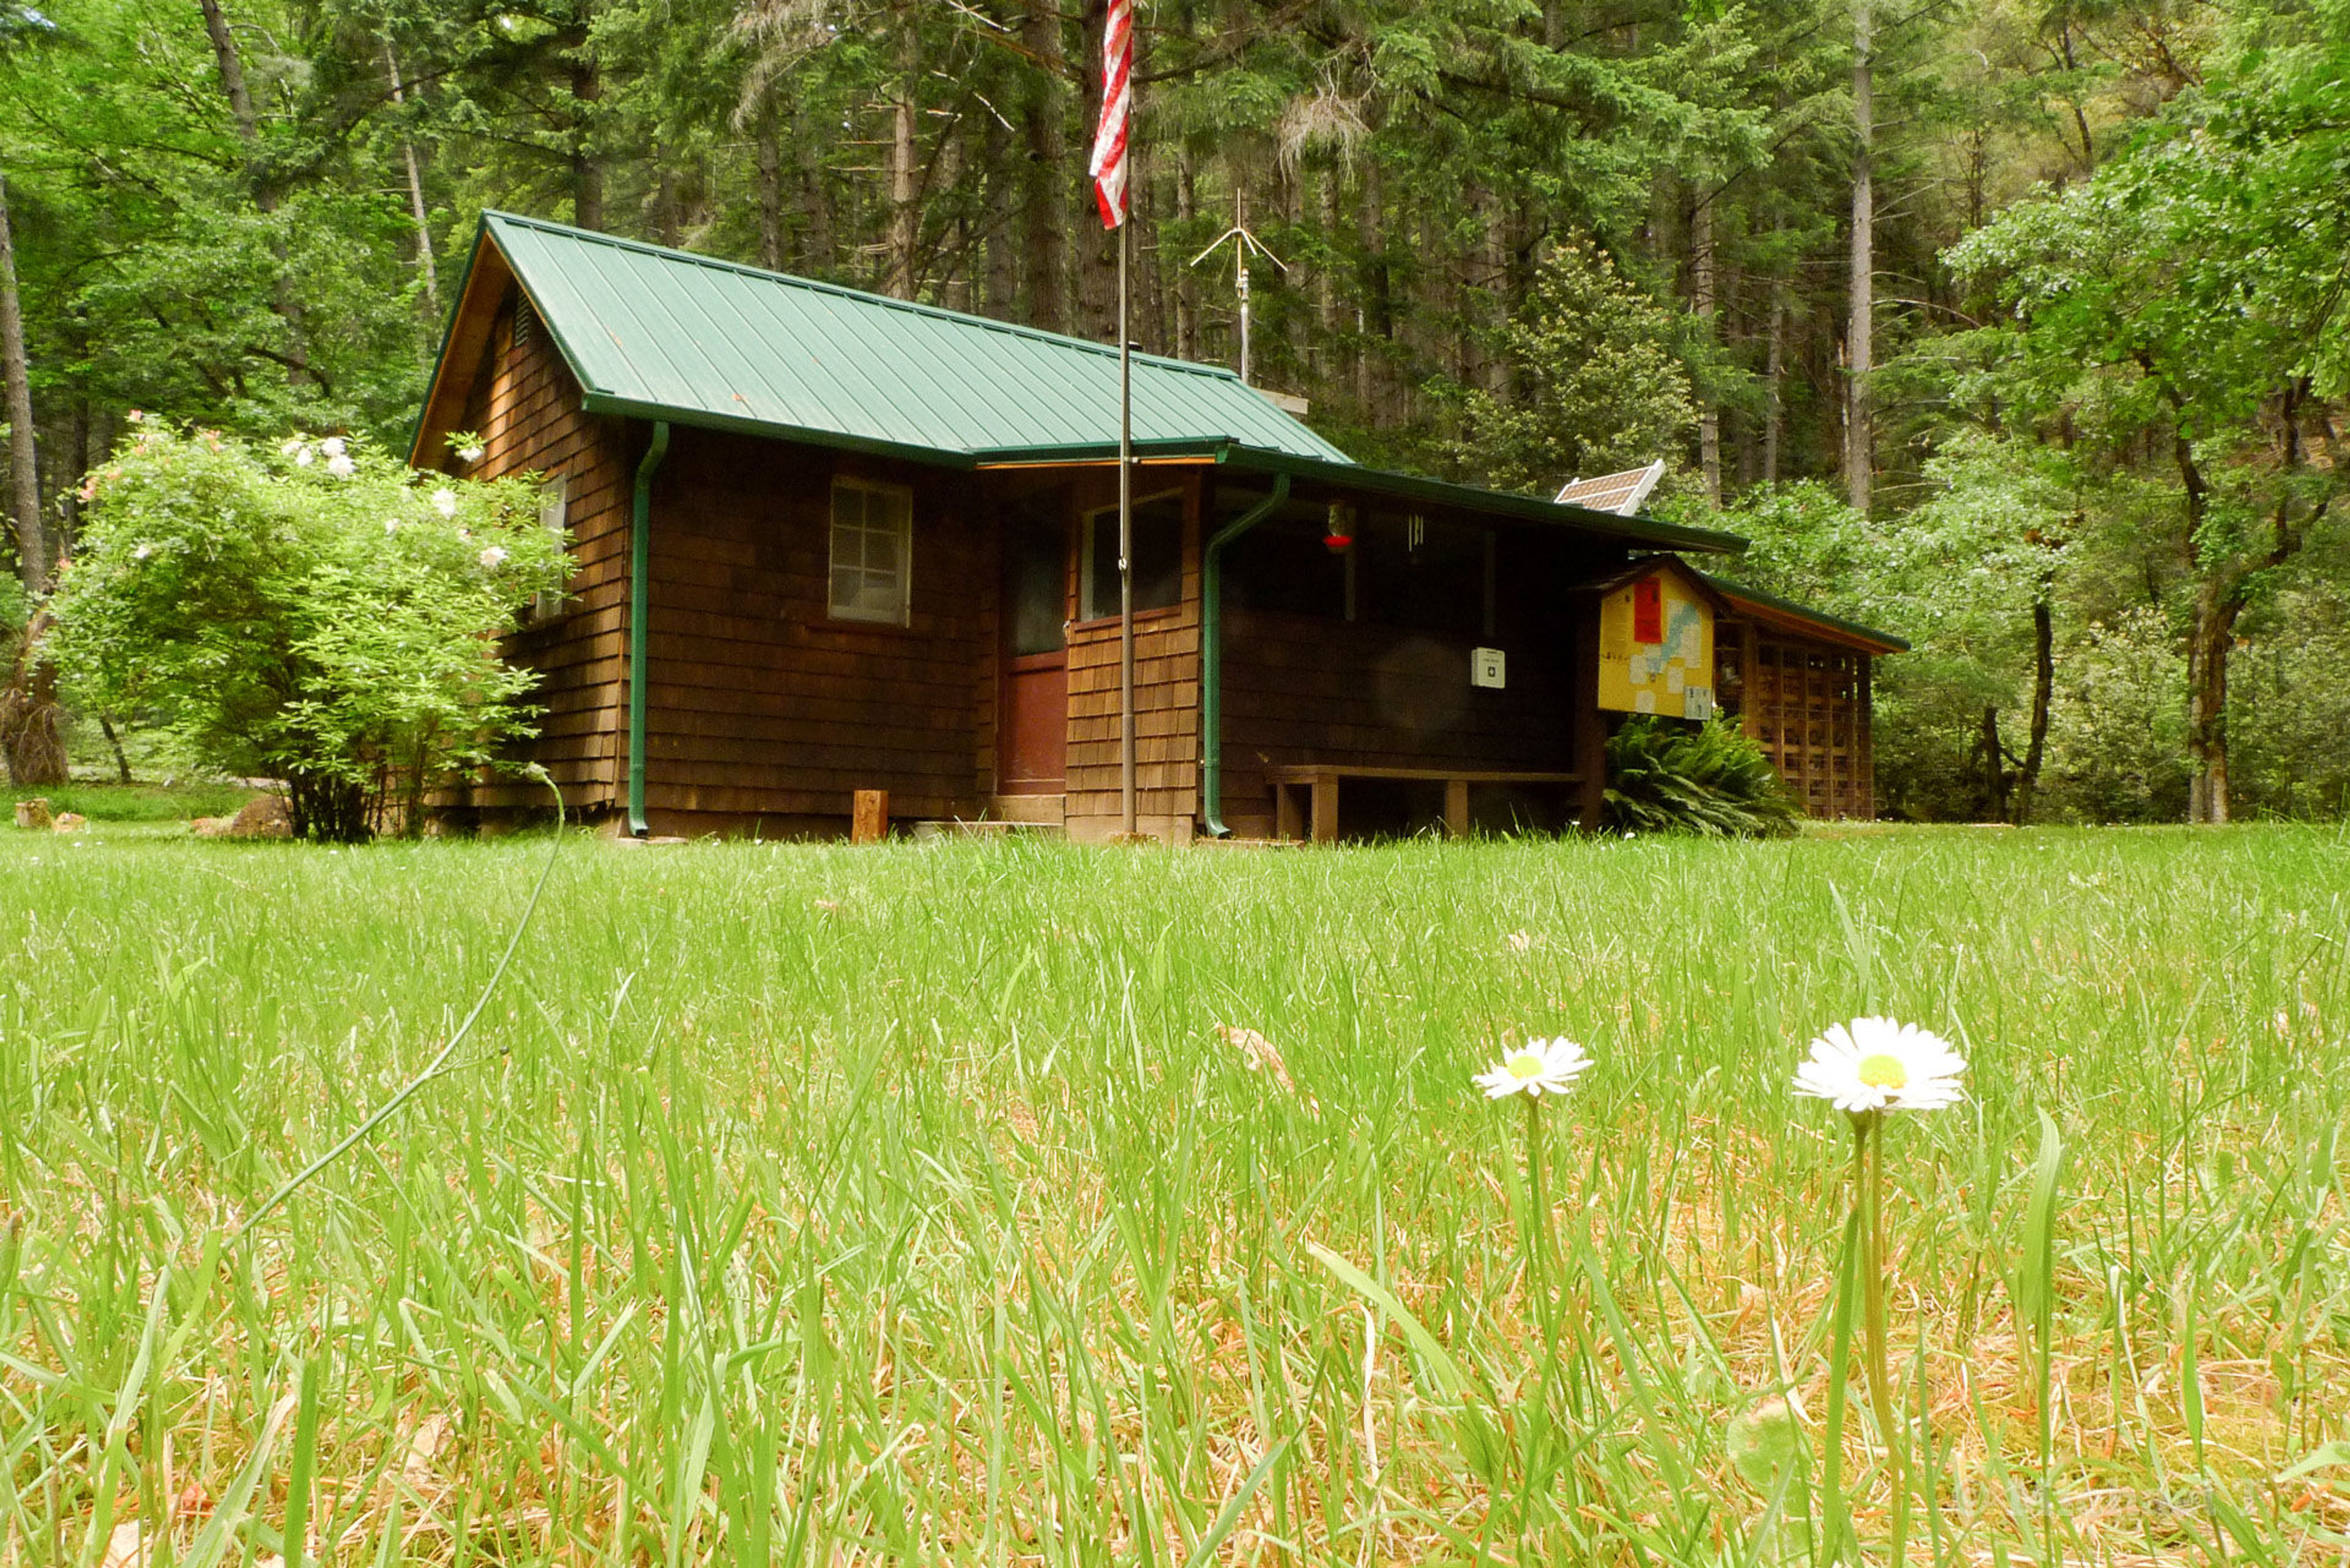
(641,522)
(1211,655)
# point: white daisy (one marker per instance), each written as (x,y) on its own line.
(444,501)
(1536,1068)
(1881,1064)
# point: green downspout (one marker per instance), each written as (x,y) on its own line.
(1211,655)
(639,611)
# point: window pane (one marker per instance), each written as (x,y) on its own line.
(871,565)
(1157,558)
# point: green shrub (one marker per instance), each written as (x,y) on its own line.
(320,613)
(1708,779)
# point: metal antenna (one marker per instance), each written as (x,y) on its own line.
(1245,242)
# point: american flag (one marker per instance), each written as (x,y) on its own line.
(1108,168)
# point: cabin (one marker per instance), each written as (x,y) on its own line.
(828,542)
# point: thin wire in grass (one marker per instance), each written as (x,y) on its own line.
(438,1066)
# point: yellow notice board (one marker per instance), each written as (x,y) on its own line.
(1656,649)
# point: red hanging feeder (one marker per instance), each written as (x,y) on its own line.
(1338,528)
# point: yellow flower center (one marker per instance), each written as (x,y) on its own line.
(1525,1066)
(1884,1072)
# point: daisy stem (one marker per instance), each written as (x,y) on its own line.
(1868,1174)
(1538,1220)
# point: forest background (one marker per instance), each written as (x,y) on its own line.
(2015,326)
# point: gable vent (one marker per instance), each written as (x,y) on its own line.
(525,323)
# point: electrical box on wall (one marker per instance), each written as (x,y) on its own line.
(1488,667)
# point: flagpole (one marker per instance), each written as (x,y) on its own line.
(1125,541)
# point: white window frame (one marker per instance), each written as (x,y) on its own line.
(554,516)
(861,528)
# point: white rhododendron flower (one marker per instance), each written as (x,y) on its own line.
(493,557)
(1881,1064)
(332,446)
(444,501)
(1536,1068)
(293,445)
(470,454)
(390,526)
(303,457)
(142,552)
(341,467)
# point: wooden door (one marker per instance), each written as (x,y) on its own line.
(1033,735)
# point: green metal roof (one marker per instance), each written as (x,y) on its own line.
(666,334)
(653,333)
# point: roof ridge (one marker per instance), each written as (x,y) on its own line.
(936,312)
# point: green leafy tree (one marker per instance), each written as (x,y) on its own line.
(1600,385)
(317,614)
(2188,302)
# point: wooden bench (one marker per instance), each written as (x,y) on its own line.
(1319,783)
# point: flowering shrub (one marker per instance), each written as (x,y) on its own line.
(312,613)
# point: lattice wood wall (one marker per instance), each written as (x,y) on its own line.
(1806,702)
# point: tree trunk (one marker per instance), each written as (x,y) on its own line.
(1187,282)
(32,734)
(1992,756)
(1375,312)
(587,164)
(327,810)
(770,152)
(1859,445)
(1000,280)
(417,212)
(1701,287)
(2210,637)
(1046,240)
(231,73)
(817,252)
(905,159)
(114,741)
(259,179)
(1774,371)
(2044,687)
(33,563)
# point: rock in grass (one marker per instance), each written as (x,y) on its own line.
(263,816)
(33,814)
(1764,1441)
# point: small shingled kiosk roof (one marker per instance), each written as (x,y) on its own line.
(653,333)
(1766,606)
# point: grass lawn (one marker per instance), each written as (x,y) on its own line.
(807,1204)
(110,803)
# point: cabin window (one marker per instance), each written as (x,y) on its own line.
(1158,556)
(872,550)
(554,515)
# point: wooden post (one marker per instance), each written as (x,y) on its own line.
(868,821)
(1326,808)
(1456,808)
